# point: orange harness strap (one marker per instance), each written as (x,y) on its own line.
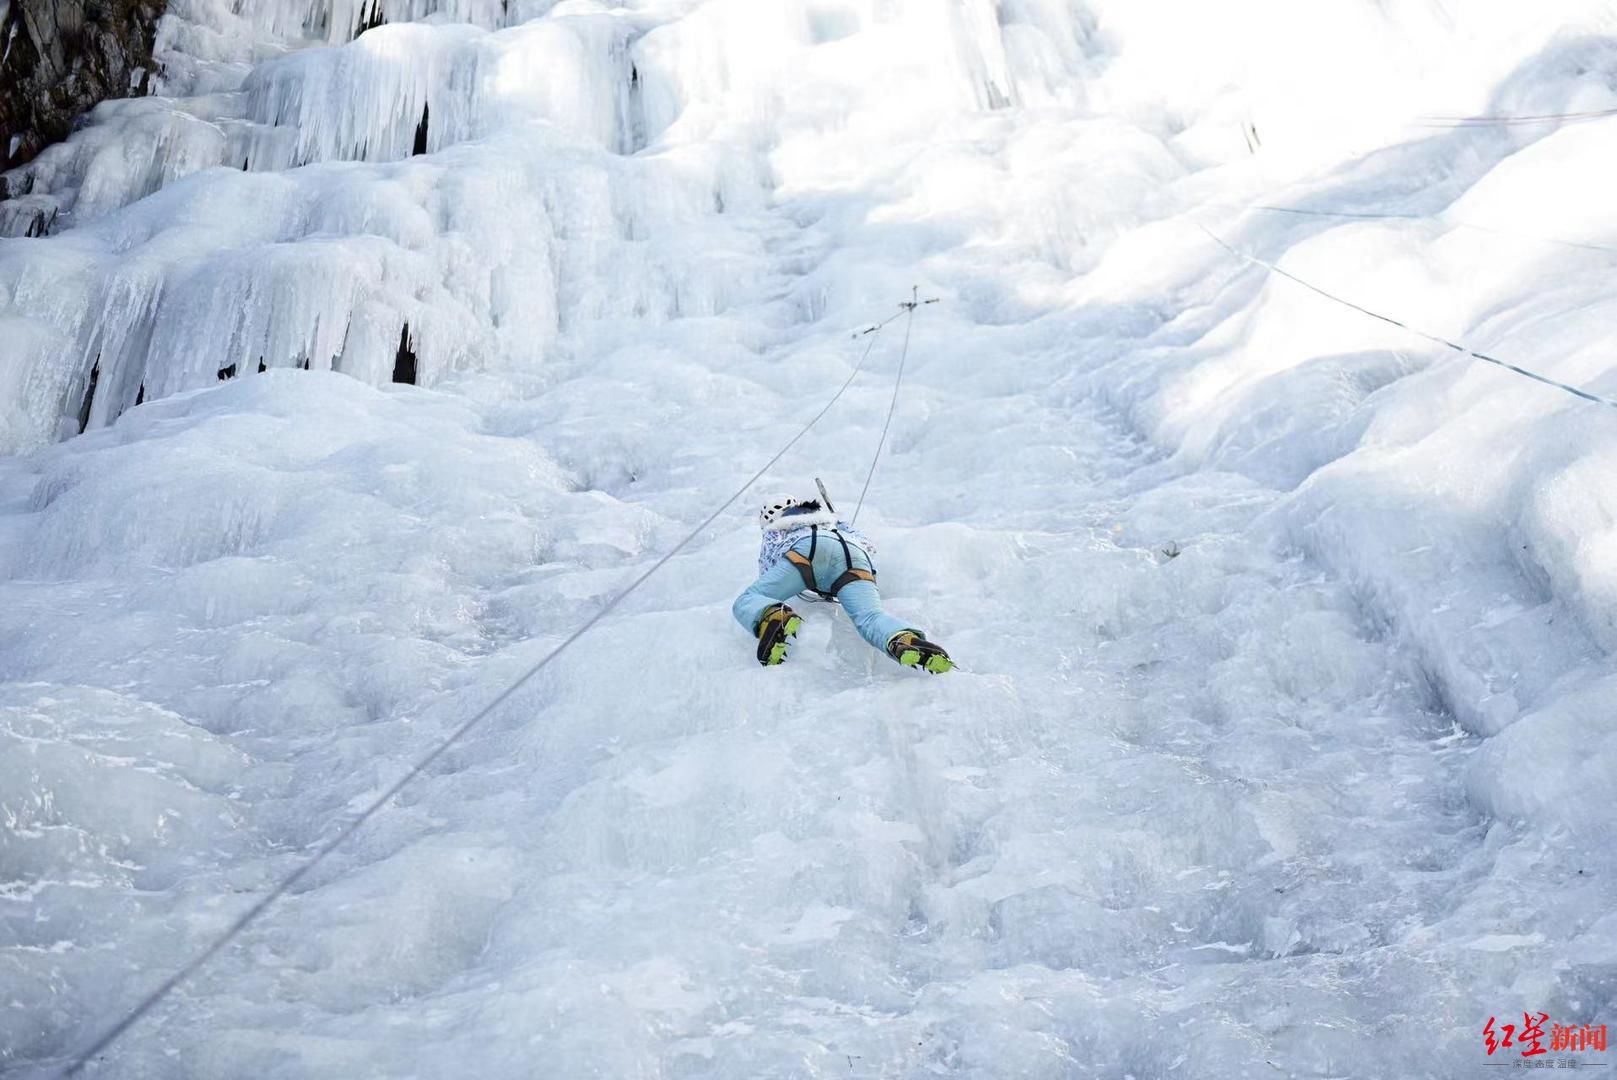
(805,566)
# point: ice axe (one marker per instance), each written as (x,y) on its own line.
(824,498)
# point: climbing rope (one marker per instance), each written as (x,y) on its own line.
(908,312)
(1491,121)
(1456,346)
(1392,215)
(251,915)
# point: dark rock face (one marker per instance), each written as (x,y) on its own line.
(62,57)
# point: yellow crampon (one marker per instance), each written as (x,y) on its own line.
(913,650)
(775,631)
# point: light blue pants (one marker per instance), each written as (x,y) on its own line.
(859,599)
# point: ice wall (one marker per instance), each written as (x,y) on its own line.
(1291,633)
(325,267)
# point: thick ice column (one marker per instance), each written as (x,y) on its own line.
(364,101)
(418,88)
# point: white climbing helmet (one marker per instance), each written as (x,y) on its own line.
(774,508)
(786,512)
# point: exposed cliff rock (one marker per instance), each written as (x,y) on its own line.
(59,58)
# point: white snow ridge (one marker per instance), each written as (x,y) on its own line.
(346,376)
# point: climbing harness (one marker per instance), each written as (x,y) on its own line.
(805,566)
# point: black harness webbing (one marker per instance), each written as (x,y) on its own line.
(805,566)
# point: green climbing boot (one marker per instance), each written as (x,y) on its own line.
(912,650)
(775,631)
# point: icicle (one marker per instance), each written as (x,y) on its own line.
(370,17)
(367,99)
(363,100)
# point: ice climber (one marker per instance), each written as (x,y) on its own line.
(805,547)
